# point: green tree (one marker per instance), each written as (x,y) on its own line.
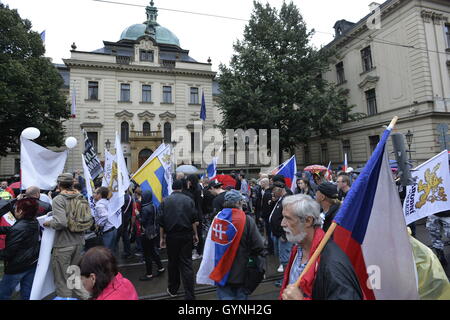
(274,80)
(29,85)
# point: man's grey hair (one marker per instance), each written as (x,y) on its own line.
(304,206)
(265,181)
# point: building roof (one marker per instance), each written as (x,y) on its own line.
(163,35)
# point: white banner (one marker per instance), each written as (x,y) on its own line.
(39,166)
(43,283)
(430,193)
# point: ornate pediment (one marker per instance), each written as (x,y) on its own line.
(124,115)
(369,81)
(167,116)
(146,115)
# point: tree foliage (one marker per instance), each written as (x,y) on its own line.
(274,80)
(29,85)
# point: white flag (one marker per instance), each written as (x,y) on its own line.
(430,193)
(39,166)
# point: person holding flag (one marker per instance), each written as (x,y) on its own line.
(333,276)
(232,240)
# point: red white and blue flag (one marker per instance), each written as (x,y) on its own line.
(345,164)
(221,246)
(372,232)
(289,170)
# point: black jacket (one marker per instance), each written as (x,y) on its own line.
(177,213)
(266,205)
(218,203)
(335,278)
(329,216)
(196,195)
(252,244)
(275,220)
(148,214)
(22,246)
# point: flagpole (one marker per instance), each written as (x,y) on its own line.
(329,233)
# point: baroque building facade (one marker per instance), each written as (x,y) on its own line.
(144,86)
(393,62)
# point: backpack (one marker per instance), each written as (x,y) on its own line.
(79,216)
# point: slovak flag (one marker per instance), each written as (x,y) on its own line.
(289,170)
(221,246)
(372,231)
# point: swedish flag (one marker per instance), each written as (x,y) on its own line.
(153,176)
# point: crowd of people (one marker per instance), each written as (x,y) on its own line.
(269,219)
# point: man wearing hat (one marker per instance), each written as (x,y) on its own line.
(178,231)
(236,249)
(68,245)
(215,188)
(327,197)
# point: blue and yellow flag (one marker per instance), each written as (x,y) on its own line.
(155,174)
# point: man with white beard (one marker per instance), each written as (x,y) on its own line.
(332,277)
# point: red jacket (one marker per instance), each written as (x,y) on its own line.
(307,282)
(119,288)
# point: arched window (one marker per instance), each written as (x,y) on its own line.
(146,128)
(124,132)
(144,154)
(167,132)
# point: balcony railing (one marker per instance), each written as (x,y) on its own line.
(124,59)
(168,64)
(143,134)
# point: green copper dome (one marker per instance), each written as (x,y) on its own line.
(163,35)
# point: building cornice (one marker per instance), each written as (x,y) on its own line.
(146,115)
(124,114)
(122,67)
(167,116)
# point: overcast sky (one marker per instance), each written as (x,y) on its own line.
(88,22)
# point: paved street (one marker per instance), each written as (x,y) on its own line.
(156,288)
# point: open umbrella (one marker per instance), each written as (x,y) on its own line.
(315,168)
(226,180)
(15,185)
(188,169)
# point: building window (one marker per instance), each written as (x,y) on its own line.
(306,154)
(146,93)
(324,153)
(340,73)
(447,34)
(124,92)
(124,132)
(146,128)
(194,96)
(373,141)
(93,90)
(366,55)
(346,149)
(146,55)
(371,99)
(167,94)
(167,132)
(93,137)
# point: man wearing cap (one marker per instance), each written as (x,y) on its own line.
(327,197)
(177,221)
(215,188)
(67,246)
(247,242)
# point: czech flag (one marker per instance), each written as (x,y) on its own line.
(372,232)
(221,246)
(345,164)
(289,170)
(211,170)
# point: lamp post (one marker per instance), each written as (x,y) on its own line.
(409,136)
(107,144)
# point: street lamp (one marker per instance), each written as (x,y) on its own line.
(409,136)
(107,144)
